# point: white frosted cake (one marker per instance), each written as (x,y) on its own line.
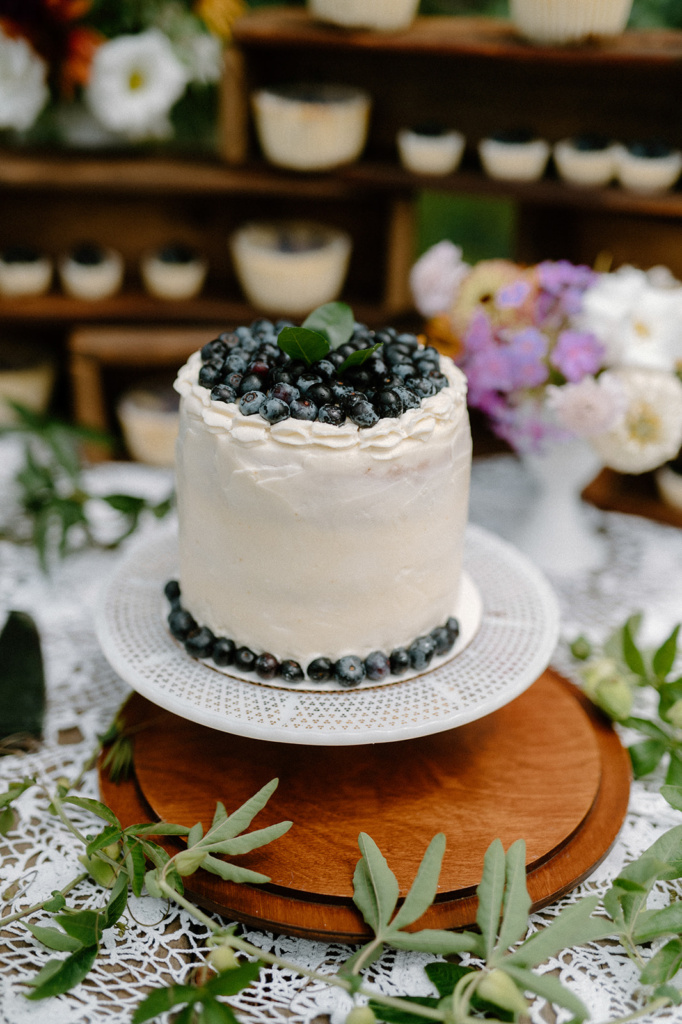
(317,539)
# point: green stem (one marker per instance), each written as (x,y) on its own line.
(432,1013)
(655,1004)
(39,906)
(366,954)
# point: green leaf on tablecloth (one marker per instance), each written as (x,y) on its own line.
(22,677)
(423,890)
(251,840)
(55,939)
(232,872)
(673,775)
(631,653)
(58,902)
(435,940)
(213,1012)
(118,900)
(379,885)
(109,835)
(158,828)
(662,859)
(646,756)
(160,1000)
(95,807)
(550,988)
(652,924)
(673,794)
(334,320)
(85,925)
(229,982)
(195,834)
(668,992)
(136,866)
(517,902)
(664,657)
(68,973)
(490,895)
(574,926)
(664,965)
(392,1015)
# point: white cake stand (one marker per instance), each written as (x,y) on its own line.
(513,645)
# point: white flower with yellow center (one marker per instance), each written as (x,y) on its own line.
(23,83)
(649,432)
(639,323)
(134,83)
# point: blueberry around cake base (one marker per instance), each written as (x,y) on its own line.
(417,658)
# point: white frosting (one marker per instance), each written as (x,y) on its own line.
(305,539)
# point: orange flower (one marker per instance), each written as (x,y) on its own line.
(75,70)
(220,15)
(68,10)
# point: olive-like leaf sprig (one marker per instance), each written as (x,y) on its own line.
(323,331)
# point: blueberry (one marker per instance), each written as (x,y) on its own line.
(274,410)
(358,377)
(172,591)
(210,375)
(223,651)
(320,669)
(236,363)
(325,369)
(388,403)
(258,367)
(401,371)
(291,671)
(251,382)
(305,381)
(200,643)
(349,670)
(282,375)
(268,352)
(320,394)
(223,393)
(333,414)
(234,380)
(452,626)
(362,413)
(438,378)
(181,623)
(248,344)
(245,659)
(266,666)
(430,354)
(377,666)
(347,350)
(422,386)
(251,402)
(399,661)
(442,639)
(284,391)
(214,349)
(407,397)
(341,390)
(261,325)
(303,409)
(408,341)
(421,651)
(335,358)
(376,365)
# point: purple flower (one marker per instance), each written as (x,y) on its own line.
(479,335)
(511,296)
(490,369)
(527,352)
(577,354)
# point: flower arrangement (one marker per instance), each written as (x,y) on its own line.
(555,351)
(101,72)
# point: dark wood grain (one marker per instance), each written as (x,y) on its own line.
(636,495)
(546,768)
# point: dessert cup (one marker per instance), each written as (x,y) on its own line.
(568,21)
(173,272)
(586,161)
(91,272)
(27,376)
(383,15)
(430,151)
(311,127)
(149,420)
(24,272)
(290,267)
(648,166)
(514,156)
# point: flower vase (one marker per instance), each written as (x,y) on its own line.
(557,533)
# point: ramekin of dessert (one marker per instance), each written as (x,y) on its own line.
(382,15)
(290,266)
(149,420)
(24,272)
(430,149)
(586,160)
(649,165)
(569,21)
(27,376)
(175,271)
(311,127)
(514,155)
(90,271)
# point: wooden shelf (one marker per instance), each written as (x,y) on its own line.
(449,36)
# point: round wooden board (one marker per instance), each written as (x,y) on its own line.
(546,768)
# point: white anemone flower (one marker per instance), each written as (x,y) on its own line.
(639,323)
(436,277)
(590,407)
(134,82)
(650,431)
(23,83)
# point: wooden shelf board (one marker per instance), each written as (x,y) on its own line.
(451,36)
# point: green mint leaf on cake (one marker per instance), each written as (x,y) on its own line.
(359,357)
(334,320)
(302,343)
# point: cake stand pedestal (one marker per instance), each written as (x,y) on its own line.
(546,767)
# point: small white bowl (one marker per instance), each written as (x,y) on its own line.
(311,127)
(149,421)
(174,272)
(430,152)
(646,171)
(24,273)
(290,268)
(514,160)
(27,377)
(383,15)
(90,279)
(584,163)
(568,21)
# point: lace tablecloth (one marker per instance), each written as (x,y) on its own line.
(157,944)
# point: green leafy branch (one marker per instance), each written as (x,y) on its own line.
(52,496)
(323,331)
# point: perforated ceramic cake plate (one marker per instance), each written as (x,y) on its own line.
(513,644)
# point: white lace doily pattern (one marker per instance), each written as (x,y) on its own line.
(158,943)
